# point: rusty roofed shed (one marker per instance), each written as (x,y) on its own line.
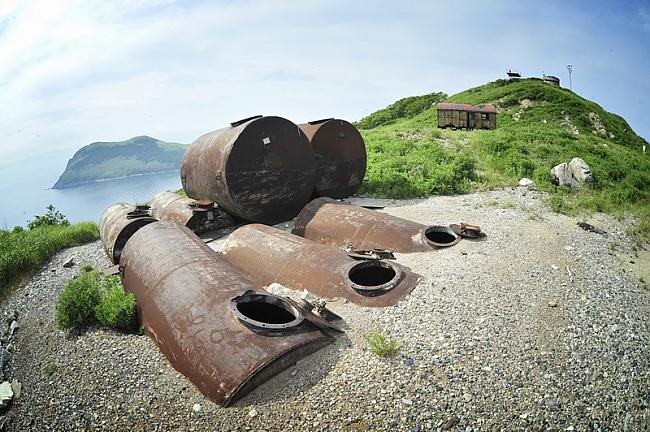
(467,116)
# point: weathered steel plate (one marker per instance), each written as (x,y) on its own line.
(340,157)
(260,169)
(338,224)
(200,217)
(213,325)
(266,255)
(117,224)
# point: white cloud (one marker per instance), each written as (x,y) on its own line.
(72,72)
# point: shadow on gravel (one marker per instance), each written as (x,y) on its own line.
(299,377)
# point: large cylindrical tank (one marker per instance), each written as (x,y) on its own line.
(301,264)
(338,224)
(259,169)
(118,223)
(199,216)
(213,325)
(340,157)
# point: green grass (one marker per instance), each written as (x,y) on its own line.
(410,157)
(92,298)
(50,369)
(381,345)
(24,251)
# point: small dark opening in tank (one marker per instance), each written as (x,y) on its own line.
(265,312)
(439,236)
(371,275)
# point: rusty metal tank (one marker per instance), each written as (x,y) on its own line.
(199,216)
(213,325)
(339,224)
(118,223)
(340,157)
(260,169)
(266,255)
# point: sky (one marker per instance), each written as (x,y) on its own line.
(76,72)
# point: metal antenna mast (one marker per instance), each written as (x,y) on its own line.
(570,68)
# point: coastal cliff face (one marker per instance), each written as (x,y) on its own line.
(107,160)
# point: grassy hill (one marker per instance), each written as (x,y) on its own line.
(538,127)
(107,160)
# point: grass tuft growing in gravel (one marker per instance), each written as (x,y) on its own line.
(380,345)
(22,251)
(93,298)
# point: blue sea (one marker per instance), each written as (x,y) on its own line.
(25,191)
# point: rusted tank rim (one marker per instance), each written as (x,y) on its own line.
(439,236)
(373,277)
(242,307)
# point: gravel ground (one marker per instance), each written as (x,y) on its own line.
(540,326)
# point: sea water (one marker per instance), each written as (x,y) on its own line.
(25,191)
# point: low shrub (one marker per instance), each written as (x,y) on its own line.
(78,300)
(117,307)
(23,251)
(92,298)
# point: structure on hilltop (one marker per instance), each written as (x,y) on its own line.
(465,116)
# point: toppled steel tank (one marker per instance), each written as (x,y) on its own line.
(118,223)
(340,157)
(213,325)
(260,169)
(339,224)
(199,216)
(300,264)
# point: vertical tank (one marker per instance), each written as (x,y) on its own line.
(340,157)
(213,325)
(260,169)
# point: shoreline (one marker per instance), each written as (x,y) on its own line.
(109,179)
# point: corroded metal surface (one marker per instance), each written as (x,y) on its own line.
(199,217)
(186,295)
(117,224)
(340,157)
(260,169)
(337,224)
(300,264)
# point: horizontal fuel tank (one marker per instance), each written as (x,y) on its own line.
(199,216)
(214,326)
(118,223)
(266,255)
(333,223)
(259,169)
(340,157)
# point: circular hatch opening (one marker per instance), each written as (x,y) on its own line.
(373,277)
(265,311)
(441,236)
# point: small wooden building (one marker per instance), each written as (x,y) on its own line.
(465,116)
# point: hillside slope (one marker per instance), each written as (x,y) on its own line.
(107,160)
(538,127)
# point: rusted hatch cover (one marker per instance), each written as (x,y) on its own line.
(338,224)
(340,157)
(198,216)
(213,325)
(300,264)
(259,169)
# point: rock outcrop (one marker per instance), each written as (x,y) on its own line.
(575,173)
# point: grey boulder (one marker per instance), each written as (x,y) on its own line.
(575,173)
